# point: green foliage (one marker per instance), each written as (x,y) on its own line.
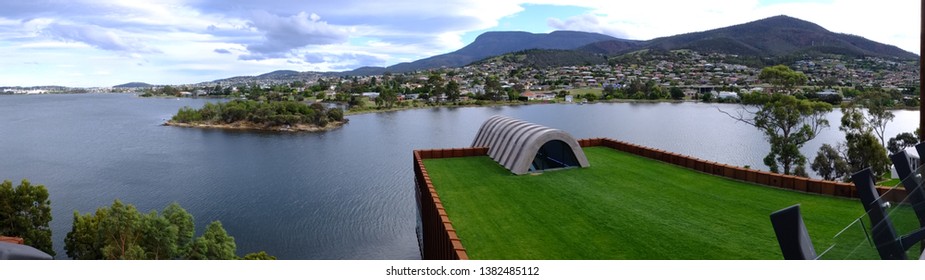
(676,93)
(782,77)
(493,88)
(188,115)
(787,123)
(214,244)
(829,164)
(452,91)
(259,256)
(25,212)
(121,232)
(336,114)
(878,115)
(183,221)
(590,97)
(387,98)
(163,91)
(84,242)
(706,97)
(863,148)
(902,141)
(264,113)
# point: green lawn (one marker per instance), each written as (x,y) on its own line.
(629,207)
(583,91)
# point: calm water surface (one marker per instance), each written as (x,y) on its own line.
(342,194)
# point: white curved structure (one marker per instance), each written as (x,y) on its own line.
(523,147)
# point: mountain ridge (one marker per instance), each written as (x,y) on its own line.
(493,43)
(774,36)
(769,37)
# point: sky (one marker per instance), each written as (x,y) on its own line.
(90,43)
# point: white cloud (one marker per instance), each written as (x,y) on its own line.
(283,34)
(587,23)
(96,36)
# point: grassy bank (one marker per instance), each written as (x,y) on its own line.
(629,207)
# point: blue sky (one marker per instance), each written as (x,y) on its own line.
(109,42)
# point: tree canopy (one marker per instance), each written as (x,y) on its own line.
(25,212)
(120,232)
(863,148)
(782,77)
(266,113)
(787,123)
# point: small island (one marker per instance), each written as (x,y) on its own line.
(254,115)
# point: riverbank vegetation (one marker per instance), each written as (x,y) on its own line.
(789,121)
(249,114)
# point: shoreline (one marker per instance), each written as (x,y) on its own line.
(397,109)
(248,126)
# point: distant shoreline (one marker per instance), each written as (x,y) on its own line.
(248,126)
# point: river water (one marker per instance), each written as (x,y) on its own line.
(341,194)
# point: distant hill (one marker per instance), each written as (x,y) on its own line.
(611,47)
(548,58)
(771,37)
(491,44)
(279,75)
(134,85)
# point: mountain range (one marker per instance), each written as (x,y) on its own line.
(777,36)
(491,44)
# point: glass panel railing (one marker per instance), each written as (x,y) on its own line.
(855,241)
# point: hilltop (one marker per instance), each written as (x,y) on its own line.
(771,37)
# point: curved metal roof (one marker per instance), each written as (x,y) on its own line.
(514,143)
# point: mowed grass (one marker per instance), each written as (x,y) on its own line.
(627,207)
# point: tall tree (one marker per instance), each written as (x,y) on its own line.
(493,88)
(787,123)
(84,241)
(214,244)
(863,148)
(178,217)
(121,233)
(676,93)
(829,164)
(25,212)
(878,114)
(452,91)
(159,237)
(782,78)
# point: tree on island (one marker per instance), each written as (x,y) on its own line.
(25,212)
(787,123)
(277,113)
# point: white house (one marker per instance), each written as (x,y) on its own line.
(727,94)
(371,95)
(827,92)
